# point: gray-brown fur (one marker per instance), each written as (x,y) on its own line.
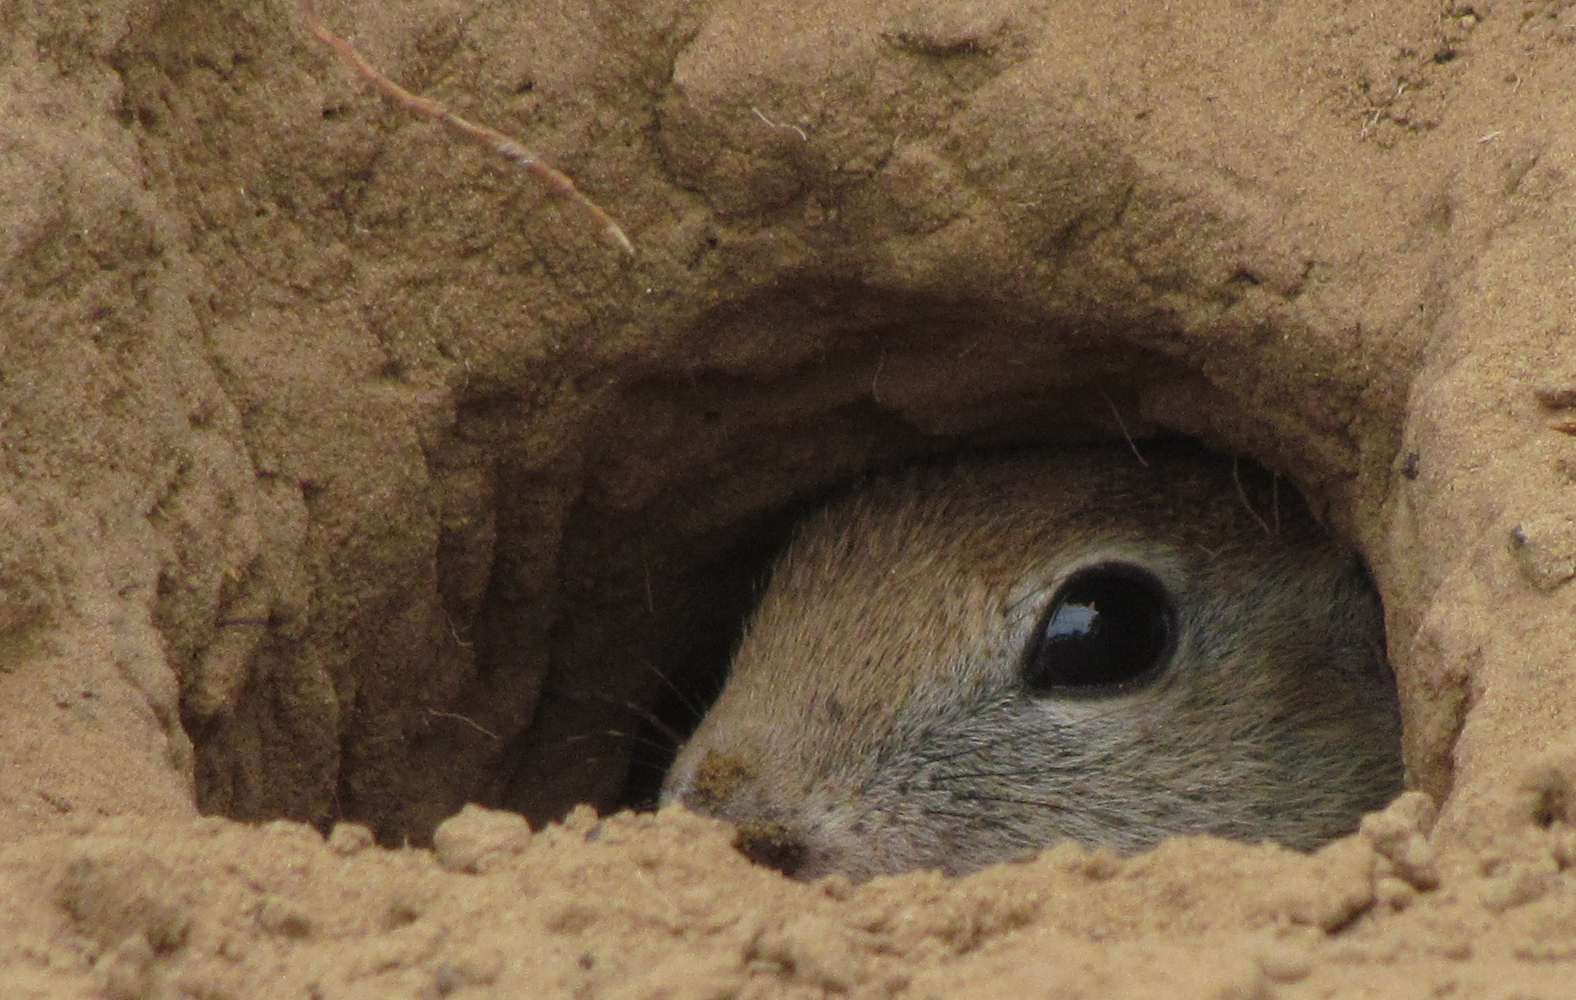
(875,719)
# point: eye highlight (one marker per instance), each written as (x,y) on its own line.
(1109,629)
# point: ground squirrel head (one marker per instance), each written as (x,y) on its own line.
(959,665)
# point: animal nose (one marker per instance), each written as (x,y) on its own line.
(774,846)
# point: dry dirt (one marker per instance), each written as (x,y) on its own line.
(349,479)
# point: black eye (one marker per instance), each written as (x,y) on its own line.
(1108,629)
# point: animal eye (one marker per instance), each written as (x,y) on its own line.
(1109,628)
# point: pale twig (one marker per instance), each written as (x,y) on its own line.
(556,182)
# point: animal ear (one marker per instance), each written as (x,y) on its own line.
(1109,628)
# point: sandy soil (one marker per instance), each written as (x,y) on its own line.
(349,479)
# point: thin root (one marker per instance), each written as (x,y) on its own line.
(457,717)
(1242,494)
(556,182)
(1133,445)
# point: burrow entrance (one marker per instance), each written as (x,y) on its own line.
(590,599)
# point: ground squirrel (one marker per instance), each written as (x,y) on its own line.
(958,665)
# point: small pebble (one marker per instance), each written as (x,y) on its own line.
(350,839)
(475,839)
(1285,961)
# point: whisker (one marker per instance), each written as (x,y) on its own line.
(640,712)
(656,722)
(635,739)
(686,699)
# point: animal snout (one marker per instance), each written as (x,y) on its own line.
(728,785)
